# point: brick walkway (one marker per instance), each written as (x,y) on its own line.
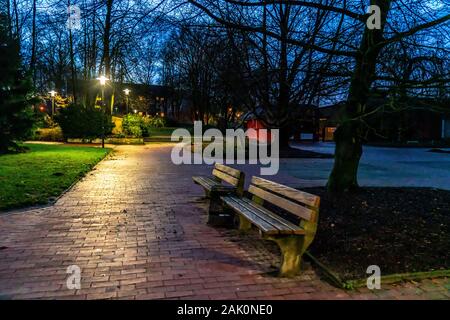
(136,228)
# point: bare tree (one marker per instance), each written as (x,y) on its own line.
(360,46)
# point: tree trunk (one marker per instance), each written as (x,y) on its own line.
(33,45)
(8,9)
(347,154)
(106,58)
(285,134)
(72,63)
(284,86)
(16,21)
(348,135)
(106,39)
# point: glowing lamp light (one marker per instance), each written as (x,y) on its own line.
(102,80)
(53,93)
(127,91)
(135,111)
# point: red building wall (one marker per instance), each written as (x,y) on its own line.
(258,135)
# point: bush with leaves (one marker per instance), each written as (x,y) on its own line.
(16,97)
(136,125)
(132,125)
(84,122)
(157,122)
(49,134)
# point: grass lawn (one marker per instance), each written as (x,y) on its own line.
(43,172)
(162,132)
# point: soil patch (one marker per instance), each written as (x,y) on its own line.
(399,229)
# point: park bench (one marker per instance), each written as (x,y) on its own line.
(293,239)
(215,188)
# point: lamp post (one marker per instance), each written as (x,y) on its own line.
(103,80)
(53,94)
(127,93)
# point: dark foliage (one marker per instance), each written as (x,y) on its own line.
(83,122)
(16,99)
(134,125)
(138,126)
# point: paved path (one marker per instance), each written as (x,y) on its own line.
(379,166)
(136,228)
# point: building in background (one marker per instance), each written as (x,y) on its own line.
(412,120)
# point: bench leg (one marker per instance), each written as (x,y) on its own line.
(244,224)
(217,215)
(292,249)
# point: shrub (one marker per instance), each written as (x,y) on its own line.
(16,98)
(47,122)
(157,122)
(131,125)
(49,134)
(136,132)
(117,126)
(136,125)
(83,122)
(145,126)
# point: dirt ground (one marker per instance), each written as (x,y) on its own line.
(398,229)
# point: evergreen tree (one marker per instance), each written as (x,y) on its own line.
(16,99)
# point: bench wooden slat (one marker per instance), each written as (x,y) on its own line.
(228,170)
(293,240)
(290,206)
(222,188)
(204,181)
(262,224)
(211,185)
(297,195)
(225,177)
(281,224)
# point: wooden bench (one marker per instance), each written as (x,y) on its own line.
(292,239)
(214,189)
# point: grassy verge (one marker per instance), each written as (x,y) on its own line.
(166,131)
(336,280)
(162,134)
(45,171)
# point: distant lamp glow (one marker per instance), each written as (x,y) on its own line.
(102,80)
(127,93)
(135,111)
(53,93)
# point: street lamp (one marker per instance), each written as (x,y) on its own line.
(127,93)
(103,80)
(53,94)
